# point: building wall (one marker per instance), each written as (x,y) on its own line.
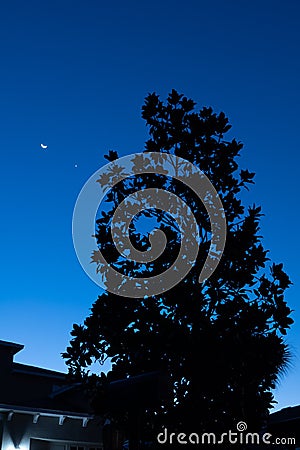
(18,432)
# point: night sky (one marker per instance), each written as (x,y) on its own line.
(73,76)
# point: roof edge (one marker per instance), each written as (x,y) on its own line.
(15,348)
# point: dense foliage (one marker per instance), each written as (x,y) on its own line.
(221,343)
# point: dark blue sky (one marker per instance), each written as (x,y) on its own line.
(74,76)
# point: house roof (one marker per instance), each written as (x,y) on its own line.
(38,371)
(14,348)
(26,387)
(285,415)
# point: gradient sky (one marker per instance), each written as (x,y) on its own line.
(73,76)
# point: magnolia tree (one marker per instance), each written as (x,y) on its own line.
(220,343)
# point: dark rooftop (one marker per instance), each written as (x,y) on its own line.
(285,415)
(30,387)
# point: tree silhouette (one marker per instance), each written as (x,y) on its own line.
(220,343)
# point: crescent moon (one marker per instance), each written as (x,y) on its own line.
(44,146)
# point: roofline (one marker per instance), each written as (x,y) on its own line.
(275,420)
(38,371)
(45,412)
(285,415)
(15,347)
(278,421)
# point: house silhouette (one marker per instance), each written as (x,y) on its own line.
(41,409)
